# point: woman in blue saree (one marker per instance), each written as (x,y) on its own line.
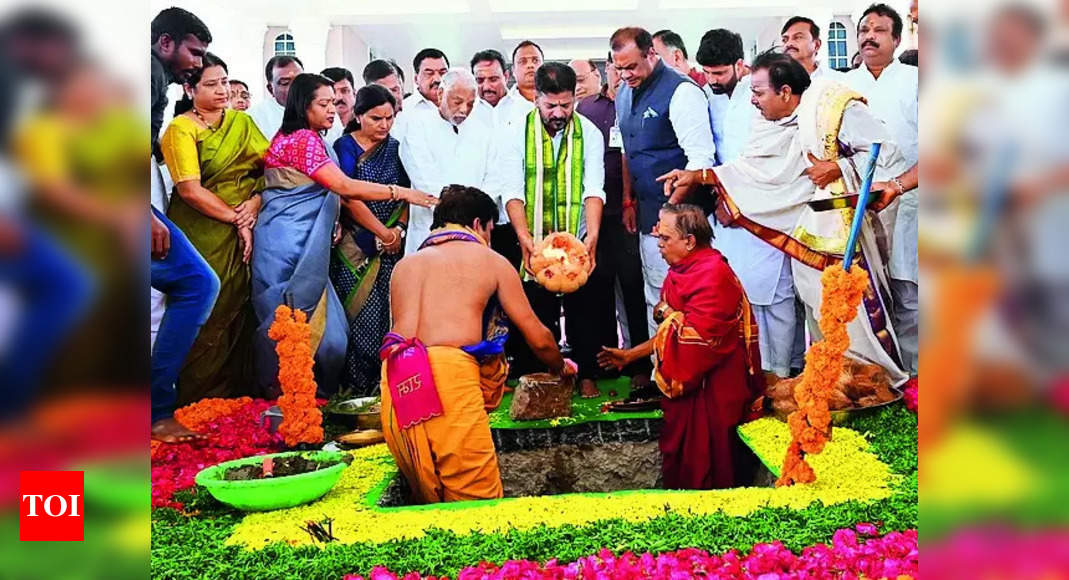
(295,228)
(372,237)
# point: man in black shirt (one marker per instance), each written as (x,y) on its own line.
(179,41)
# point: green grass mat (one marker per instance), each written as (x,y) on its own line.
(583,410)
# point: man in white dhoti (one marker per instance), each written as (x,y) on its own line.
(768,189)
(763,270)
(890,88)
(445,145)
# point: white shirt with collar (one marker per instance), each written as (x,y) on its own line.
(732,118)
(484,111)
(823,71)
(511,109)
(412,104)
(509,172)
(689,113)
(436,154)
(267,114)
(892,98)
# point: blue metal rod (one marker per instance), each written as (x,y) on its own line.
(859,211)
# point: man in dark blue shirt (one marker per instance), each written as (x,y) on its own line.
(179,42)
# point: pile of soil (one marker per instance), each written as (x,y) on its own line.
(293,465)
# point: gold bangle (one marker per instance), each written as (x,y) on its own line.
(703,175)
(393,192)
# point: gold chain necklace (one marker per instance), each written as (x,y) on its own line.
(211,128)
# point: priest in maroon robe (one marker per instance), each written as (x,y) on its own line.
(708,361)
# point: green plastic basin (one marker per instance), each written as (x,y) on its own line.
(272,493)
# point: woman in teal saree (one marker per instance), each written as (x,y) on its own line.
(372,239)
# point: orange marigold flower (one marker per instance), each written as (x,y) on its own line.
(811,423)
(196,415)
(302,422)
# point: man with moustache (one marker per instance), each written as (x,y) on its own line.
(385,74)
(767,190)
(179,43)
(763,270)
(514,106)
(280,72)
(801,41)
(491,75)
(664,124)
(445,145)
(890,88)
(430,65)
(565,194)
(492,78)
(344,99)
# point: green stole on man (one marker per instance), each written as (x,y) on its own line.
(553,185)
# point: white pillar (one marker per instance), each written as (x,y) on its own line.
(310,37)
(335,46)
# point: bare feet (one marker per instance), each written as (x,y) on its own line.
(171,431)
(588,389)
(640,381)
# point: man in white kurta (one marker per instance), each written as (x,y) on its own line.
(443,146)
(890,88)
(801,41)
(768,189)
(763,270)
(512,109)
(267,114)
(430,65)
(535,198)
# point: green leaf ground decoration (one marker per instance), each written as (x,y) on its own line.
(195,547)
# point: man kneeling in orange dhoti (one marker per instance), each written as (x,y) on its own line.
(444,365)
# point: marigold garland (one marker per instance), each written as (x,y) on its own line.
(302,422)
(204,411)
(233,428)
(811,423)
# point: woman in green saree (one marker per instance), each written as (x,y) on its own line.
(216,160)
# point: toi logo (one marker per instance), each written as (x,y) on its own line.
(51,506)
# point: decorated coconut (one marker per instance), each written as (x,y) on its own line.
(560,263)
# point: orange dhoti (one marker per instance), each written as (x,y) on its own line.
(450,457)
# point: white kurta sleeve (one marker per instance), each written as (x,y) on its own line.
(688,111)
(593,160)
(858,131)
(418,158)
(507,173)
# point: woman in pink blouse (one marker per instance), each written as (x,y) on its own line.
(294,231)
